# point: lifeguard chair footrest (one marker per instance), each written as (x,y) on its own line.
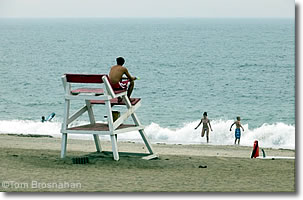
(100,127)
(151,157)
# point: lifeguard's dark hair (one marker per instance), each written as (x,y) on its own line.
(120,61)
(205,114)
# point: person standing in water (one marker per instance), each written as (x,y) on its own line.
(237,131)
(206,125)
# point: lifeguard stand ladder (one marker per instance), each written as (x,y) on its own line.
(107,97)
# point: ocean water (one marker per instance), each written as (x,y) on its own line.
(226,67)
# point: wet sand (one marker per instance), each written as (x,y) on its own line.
(33,164)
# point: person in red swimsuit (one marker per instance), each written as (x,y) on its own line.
(116,75)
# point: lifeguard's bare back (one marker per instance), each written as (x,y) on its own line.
(116,73)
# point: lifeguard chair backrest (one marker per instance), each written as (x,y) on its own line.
(89,78)
(68,79)
(84,78)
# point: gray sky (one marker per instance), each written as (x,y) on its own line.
(147,8)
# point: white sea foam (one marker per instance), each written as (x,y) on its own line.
(278,135)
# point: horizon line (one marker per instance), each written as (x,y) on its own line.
(187,17)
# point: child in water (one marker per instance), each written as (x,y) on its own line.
(237,131)
(205,127)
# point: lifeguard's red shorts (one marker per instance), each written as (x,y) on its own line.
(122,85)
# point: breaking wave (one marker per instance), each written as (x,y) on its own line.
(277,135)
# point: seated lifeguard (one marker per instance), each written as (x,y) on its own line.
(116,75)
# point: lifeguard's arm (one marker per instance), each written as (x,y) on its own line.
(210,125)
(128,75)
(231,126)
(199,124)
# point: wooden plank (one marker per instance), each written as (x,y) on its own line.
(119,91)
(151,157)
(129,129)
(93,121)
(114,147)
(110,119)
(108,88)
(146,142)
(98,132)
(63,145)
(90,112)
(66,115)
(77,114)
(123,153)
(87,97)
(99,127)
(88,132)
(96,91)
(97,143)
(63,79)
(138,123)
(84,78)
(114,102)
(124,116)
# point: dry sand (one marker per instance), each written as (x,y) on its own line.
(33,164)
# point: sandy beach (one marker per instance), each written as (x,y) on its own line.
(33,164)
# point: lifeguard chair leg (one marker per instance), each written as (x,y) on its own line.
(148,145)
(97,143)
(63,145)
(66,115)
(111,128)
(64,127)
(93,121)
(114,147)
(137,122)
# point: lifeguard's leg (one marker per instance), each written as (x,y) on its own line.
(130,88)
(207,136)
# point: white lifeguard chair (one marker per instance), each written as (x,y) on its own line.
(106,96)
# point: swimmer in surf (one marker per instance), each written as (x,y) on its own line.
(237,131)
(205,127)
(43,119)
